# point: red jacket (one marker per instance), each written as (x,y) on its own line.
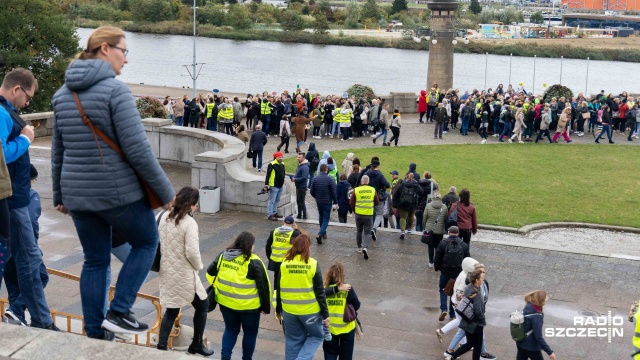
(624,109)
(467,218)
(422,101)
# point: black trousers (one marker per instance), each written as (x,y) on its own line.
(465,235)
(543,132)
(284,140)
(528,354)
(340,346)
(301,193)
(396,134)
(199,321)
(473,341)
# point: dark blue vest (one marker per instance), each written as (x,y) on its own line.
(19,170)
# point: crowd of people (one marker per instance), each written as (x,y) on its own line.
(121,180)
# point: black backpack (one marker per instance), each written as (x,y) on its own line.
(453,254)
(408,196)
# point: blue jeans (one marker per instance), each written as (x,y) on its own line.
(303,335)
(24,250)
(250,322)
(444,278)
(382,132)
(460,334)
(333,129)
(324,214)
(266,121)
(506,131)
(311,176)
(212,124)
(257,157)
(496,125)
(274,199)
(16,302)
(606,128)
(137,221)
(179,120)
(465,126)
(299,144)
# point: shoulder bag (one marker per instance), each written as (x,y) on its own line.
(211,291)
(153,198)
(349,314)
(465,309)
(156,261)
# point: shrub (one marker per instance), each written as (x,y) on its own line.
(238,17)
(153,10)
(149,107)
(557,91)
(291,21)
(361,91)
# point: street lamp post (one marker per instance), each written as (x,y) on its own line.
(510,59)
(486,65)
(561,57)
(194,50)
(534,75)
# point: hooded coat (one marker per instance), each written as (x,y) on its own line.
(468,265)
(88,178)
(325,155)
(412,169)
(311,154)
(347,164)
(422,101)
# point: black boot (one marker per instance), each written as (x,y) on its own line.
(197,346)
(165,328)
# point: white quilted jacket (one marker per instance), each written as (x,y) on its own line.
(180,262)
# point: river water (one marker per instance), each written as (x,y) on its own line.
(255,66)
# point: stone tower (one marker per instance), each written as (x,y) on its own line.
(441,53)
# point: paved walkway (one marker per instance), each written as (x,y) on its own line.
(397,289)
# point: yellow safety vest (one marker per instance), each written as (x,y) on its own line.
(210,107)
(272,176)
(281,243)
(636,337)
(226,114)
(336,304)
(296,286)
(233,289)
(365,197)
(264,108)
(334,174)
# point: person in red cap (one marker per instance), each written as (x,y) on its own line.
(274,181)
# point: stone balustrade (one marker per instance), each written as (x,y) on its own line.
(42,122)
(216,159)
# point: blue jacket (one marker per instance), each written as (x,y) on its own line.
(16,151)
(302,175)
(323,189)
(535,341)
(87,175)
(343,197)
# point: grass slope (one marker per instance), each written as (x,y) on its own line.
(526,183)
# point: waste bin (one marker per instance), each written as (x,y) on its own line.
(209,199)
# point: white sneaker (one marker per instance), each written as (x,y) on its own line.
(350,138)
(484,141)
(373,135)
(521,142)
(444,132)
(341,139)
(430,265)
(495,135)
(510,141)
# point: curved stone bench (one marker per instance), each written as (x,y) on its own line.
(215,159)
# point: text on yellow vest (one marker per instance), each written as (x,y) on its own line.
(365,197)
(336,304)
(296,286)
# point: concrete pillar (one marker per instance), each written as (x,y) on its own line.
(441,54)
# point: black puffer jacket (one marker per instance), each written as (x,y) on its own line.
(398,195)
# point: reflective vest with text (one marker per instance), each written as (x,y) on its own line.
(336,304)
(233,289)
(296,286)
(365,198)
(281,243)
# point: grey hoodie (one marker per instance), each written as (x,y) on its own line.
(88,178)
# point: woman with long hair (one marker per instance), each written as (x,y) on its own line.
(242,290)
(339,295)
(301,301)
(98,187)
(467,218)
(531,347)
(179,267)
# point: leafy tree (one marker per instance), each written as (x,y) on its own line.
(124,5)
(153,10)
(37,36)
(321,24)
(238,17)
(361,91)
(211,14)
(352,11)
(232,2)
(537,18)
(475,7)
(291,21)
(370,9)
(400,5)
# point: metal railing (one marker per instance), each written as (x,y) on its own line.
(155,329)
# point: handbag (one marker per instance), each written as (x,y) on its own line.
(250,153)
(156,260)
(211,291)
(465,309)
(586,115)
(448,289)
(428,236)
(349,314)
(359,332)
(153,198)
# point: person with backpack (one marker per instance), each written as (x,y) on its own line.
(448,260)
(477,294)
(405,200)
(428,185)
(314,161)
(380,183)
(532,345)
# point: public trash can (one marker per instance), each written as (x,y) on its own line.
(209,199)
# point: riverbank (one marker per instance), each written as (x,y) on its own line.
(542,48)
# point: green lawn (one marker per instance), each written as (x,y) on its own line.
(527,183)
